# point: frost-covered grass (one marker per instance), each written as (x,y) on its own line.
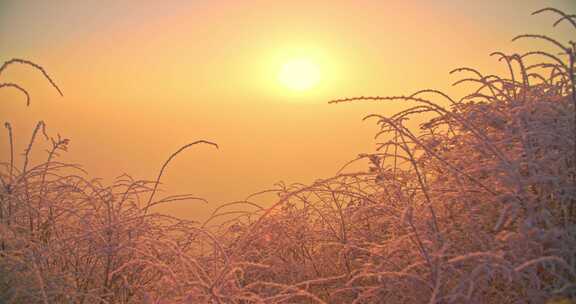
(478,206)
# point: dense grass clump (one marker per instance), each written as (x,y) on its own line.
(478,206)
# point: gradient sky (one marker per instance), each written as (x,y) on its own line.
(142,78)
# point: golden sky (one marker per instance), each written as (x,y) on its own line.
(142,78)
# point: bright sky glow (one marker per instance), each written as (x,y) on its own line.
(299,74)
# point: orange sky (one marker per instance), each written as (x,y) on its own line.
(142,78)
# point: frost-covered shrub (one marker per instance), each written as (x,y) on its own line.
(478,206)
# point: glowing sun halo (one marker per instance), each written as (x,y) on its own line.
(299,74)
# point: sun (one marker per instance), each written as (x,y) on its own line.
(299,74)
